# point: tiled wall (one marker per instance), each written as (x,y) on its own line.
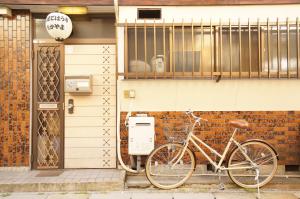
(279,128)
(14,89)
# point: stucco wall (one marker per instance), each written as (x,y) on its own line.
(207,95)
(195,13)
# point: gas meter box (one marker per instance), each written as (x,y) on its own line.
(140,135)
(81,84)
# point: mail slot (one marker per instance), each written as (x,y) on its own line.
(142,124)
(140,135)
(78,84)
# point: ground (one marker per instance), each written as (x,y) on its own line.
(115,184)
(142,194)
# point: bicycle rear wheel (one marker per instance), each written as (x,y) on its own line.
(161,169)
(259,153)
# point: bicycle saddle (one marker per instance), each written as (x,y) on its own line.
(242,124)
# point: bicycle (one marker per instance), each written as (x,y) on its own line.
(251,164)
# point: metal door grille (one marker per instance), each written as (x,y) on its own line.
(48,74)
(48,133)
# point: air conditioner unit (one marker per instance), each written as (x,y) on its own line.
(140,135)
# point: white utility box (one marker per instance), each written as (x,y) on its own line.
(140,135)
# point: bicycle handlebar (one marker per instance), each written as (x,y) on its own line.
(189,112)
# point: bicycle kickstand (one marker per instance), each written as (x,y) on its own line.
(221,185)
(257,180)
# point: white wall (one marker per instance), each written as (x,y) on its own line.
(187,13)
(207,95)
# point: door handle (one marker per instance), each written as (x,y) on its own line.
(71,106)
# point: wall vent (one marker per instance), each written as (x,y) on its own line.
(292,167)
(148,13)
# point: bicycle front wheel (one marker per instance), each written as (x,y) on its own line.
(166,170)
(242,172)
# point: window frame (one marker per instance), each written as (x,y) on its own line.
(215,31)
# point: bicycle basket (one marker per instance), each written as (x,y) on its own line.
(176,133)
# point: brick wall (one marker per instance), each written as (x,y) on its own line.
(279,128)
(14,89)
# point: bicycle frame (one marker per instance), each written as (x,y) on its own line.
(194,139)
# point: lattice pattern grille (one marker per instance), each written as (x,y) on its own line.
(48,139)
(48,74)
(48,91)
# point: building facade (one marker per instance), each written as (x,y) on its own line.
(222,59)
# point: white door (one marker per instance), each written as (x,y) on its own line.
(90,131)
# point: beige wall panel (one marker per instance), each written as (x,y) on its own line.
(89,121)
(91,131)
(90,142)
(108,131)
(90,163)
(90,152)
(87,100)
(89,49)
(90,59)
(98,80)
(207,95)
(104,90)
(103,80)
(107,80)
(107,69)
(80,132)
(96,111)
(93,70)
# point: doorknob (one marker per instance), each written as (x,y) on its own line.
(71,106)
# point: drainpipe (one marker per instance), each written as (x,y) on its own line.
(124,166)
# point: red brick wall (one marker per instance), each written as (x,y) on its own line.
(14,89)
(279,128)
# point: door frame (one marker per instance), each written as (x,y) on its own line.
(34,150)
(39,42)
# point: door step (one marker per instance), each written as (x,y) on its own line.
(63,181)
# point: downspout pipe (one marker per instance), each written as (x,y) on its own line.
(124,166)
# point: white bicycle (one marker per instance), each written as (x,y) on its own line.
(250,164)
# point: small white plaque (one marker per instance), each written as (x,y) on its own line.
(48,106)
(84,84)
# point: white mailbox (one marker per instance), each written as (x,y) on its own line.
(140,135)
(80,84)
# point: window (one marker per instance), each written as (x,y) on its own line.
(232,50)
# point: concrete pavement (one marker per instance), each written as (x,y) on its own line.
(62,180)
(150,195)
(113,184)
